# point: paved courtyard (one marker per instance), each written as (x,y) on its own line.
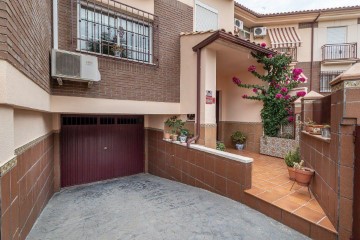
(148,207)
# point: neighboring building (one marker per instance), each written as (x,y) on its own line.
(323,42)
(156,59)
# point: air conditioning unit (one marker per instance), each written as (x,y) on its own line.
(259,31)
(239,25)
(74,66)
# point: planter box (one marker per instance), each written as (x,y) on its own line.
(277,147)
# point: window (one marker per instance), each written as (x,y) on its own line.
(326,78)
(110,33)
(206,17)
(336,35)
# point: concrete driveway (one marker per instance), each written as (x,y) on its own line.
(148,207)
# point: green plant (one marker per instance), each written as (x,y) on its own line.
(292,157)
(184,132)
(279,81)
(175,124)
(327,126)
(238,137)
(220,146)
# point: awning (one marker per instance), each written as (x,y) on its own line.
(284,37)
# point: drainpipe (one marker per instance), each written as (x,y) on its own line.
(312,49)
(55,25)
(198,75)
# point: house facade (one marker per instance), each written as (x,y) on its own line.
(155,59)
(324,43)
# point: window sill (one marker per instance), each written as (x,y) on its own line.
(319,137)
(116,58)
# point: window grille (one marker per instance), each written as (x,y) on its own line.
(111,28)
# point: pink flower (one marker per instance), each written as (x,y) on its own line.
(244,96)
(286,97)
(252,68)
(302,79)
(277,86)
(290,112)
(236,80)
(269,56)
(255,90)
(284,90)
(301,93)
(290,118)
(278,96)
(263,44)
(297,71)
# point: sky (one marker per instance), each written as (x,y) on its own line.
(266,6)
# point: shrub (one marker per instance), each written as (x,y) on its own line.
(238,137)
(220,146)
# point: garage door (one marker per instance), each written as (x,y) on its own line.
(95,148)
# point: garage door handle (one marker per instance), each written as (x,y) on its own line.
(105,148)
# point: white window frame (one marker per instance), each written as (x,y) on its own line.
(214,10)
(78,44)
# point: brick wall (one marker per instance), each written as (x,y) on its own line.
(253,132)
(179,163)
(26,189)
(306,67)
(26,37)
(133,81)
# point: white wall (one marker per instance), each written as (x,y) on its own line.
(30,125)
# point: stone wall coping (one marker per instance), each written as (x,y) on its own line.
(319,137)
(212,151)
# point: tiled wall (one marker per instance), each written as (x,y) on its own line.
(253,131)
(25,38)
(26,188)
(333,160)
(217,174)
(316,153)
(127,80)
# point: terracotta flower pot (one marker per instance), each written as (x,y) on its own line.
(303,176)
(167,135)
(291,171)
(309,128)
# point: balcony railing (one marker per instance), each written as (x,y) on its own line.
(343,51)
(289,51)
(326,78)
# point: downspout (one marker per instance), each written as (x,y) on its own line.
(312,49)
(55,25)
(198,75)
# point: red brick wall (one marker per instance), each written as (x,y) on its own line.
(26,37)
(217,174)
(26,189)
(133,81)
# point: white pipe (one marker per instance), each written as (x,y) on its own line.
(55,25)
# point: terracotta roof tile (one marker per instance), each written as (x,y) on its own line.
(295,12)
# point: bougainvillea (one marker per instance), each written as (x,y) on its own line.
(279,81)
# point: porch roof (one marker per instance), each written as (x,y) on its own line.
(229,37)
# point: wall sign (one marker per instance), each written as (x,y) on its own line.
(209,97)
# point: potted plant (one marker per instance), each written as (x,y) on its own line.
(176,125)
(309,126)
(220,146)
(325,131)
(118,50)
(290,159)
(169,123)
(183,135)
(303,175)
(239,139)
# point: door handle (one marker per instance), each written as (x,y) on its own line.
(105,148)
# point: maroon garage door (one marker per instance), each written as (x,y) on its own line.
(95,148)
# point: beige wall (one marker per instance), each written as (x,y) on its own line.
(188,66)
(29,125)
(157,121)
(225,10)
(6,134)
(233,106)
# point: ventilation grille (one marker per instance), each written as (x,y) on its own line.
(79,120)
(130,121)
(67,64)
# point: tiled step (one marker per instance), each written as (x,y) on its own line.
(306,219)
